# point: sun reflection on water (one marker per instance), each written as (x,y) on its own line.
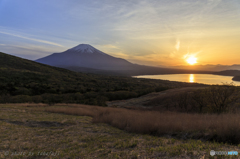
(191,78)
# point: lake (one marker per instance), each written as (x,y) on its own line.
(193,78)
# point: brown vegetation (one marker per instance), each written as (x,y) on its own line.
(222,128)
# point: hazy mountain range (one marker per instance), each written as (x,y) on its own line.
(208,67)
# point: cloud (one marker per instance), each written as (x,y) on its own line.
(120,55)
(38,40)
(191,54)
(35,48)
(130,28)
(110,46)
(177,46)
(29,51)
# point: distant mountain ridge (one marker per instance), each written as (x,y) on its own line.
(208,67)
(84,55)
(85,58)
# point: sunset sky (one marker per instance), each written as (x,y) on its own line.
(150,32)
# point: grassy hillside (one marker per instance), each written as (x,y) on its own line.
(23,80)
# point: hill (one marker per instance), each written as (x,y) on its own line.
(234,73)
(228,73)
(236,78)
(23,80)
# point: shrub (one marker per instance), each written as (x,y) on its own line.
(216,99)
(220,98)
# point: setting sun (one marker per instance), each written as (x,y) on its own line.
(192,60)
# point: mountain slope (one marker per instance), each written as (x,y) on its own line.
(12,63)
(85,55)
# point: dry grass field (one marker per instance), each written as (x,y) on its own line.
(212,127)
(81,131)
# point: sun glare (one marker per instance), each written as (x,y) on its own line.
(192,60)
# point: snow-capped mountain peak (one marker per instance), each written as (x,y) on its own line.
(84,48)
